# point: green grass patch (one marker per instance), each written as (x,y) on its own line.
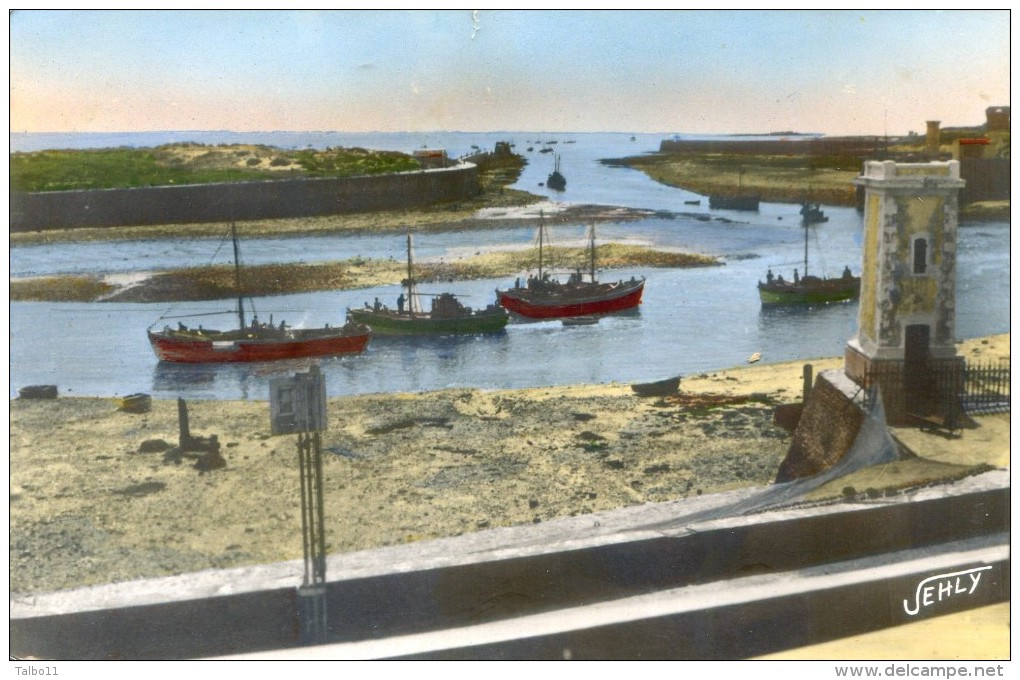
(64,170)
(190,163)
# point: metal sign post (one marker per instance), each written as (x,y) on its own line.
(297,405)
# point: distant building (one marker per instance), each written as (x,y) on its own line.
(984,160)
(997,118)
(431,158)
(972,147)
(503,149)
(933,139)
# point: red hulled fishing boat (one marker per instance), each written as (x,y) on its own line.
(544,297)
(255,341)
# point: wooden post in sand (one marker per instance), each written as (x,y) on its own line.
(297,405)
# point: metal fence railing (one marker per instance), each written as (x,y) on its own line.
(944,388)
(985,388)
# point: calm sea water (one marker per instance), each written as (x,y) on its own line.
(691,321)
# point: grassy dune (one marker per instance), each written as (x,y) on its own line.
(191,163)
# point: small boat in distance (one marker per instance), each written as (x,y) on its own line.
(734,202)
(811,213)
(544,297)
(556,180)
(255,341)
(806,289)
(447,316)
(738,200)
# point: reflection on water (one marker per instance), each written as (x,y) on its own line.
(388,363)
(773,318)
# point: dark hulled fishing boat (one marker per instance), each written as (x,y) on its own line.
(556,179)
(254,341)
(735,202)
(544,297)
(447,316)
(807,289)
(738,200)
(811,213)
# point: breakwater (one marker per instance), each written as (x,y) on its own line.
(273,199)
(794,146)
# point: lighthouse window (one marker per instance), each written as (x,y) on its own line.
(920,256)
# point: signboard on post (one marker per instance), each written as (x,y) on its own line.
(298,404)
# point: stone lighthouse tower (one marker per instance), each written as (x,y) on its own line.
(907,313)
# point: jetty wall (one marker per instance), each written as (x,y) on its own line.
(271,199)
(791,146)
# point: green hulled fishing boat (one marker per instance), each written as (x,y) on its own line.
(447,315)
(807,289)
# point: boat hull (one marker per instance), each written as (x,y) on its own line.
(734,202)
(169,347)
(395,323)
(829,290)
(659,388)
(572,300)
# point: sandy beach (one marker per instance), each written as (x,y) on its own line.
(98,495)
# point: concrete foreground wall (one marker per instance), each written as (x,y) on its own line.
(540,575)
(226,202)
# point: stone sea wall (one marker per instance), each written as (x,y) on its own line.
(272,199)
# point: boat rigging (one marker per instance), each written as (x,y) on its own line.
(447,315)
(807,289)
(255,341)
(544,297)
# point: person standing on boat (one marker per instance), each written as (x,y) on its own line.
(400,303)
(769,276)
(796,276)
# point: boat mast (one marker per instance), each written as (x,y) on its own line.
(541,237)
(806,227)
(410,279)
(591,248)
(237,275)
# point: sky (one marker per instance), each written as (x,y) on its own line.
(668,71)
